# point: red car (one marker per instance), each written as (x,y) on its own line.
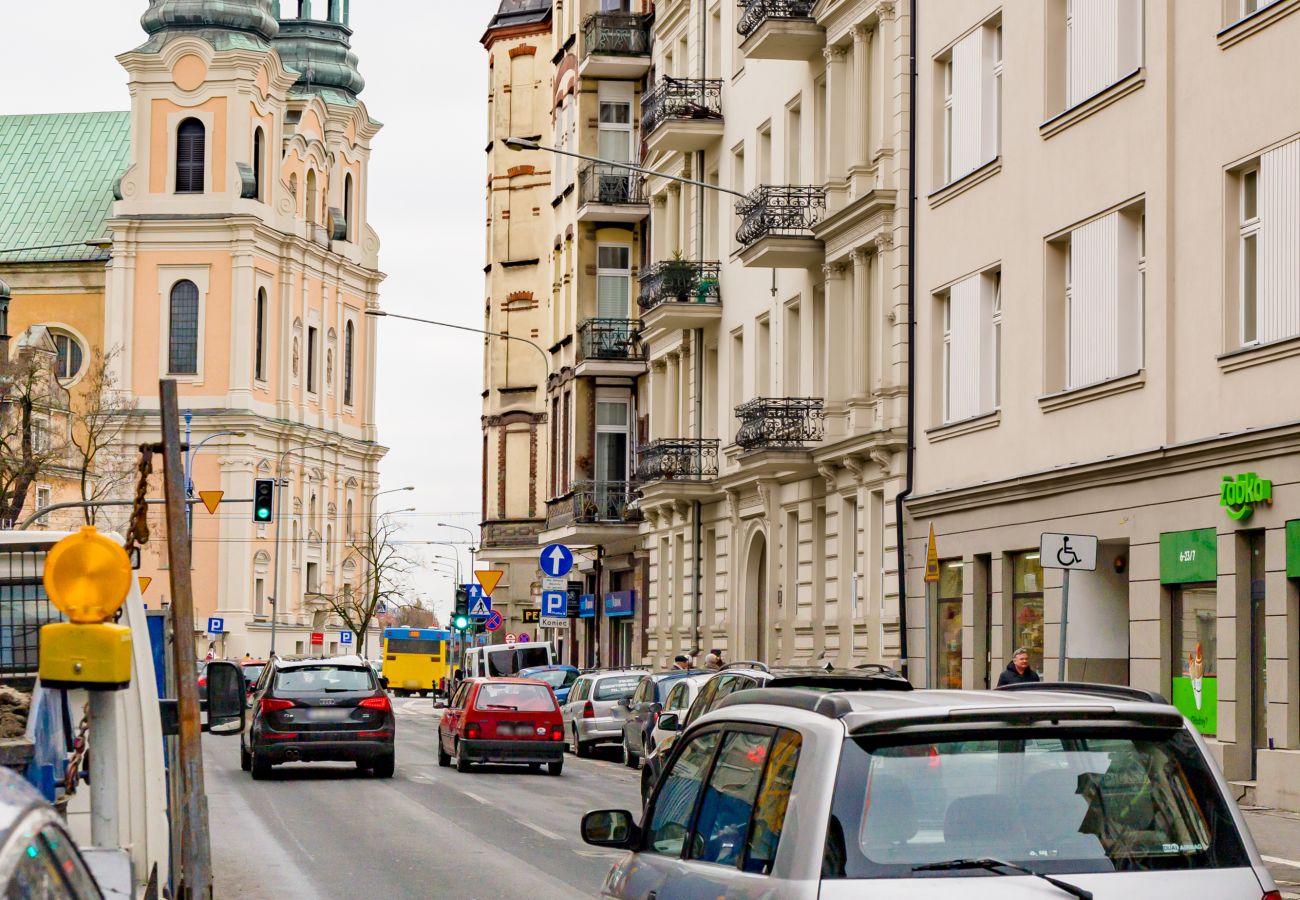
(502,720)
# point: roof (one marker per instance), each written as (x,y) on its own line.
(57,176)
(512,13)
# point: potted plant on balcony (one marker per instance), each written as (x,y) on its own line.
(679,277)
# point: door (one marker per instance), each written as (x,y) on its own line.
(611,457)
(1258,647)
(1195,689)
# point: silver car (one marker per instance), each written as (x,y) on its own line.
(1076,790)
(593,714)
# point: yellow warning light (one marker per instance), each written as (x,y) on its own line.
(87,576)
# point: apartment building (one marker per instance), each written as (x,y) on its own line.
(596,387)
(1107,340)
(773,311)
(517,290)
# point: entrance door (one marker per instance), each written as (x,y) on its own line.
(1258,647)
(948,653)
(1196,656)
(756,578)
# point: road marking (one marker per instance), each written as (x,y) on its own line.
(475,797)
(540,830)
(599,854)
(1281,861)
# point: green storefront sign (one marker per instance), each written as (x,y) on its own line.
(1188,557)
(1199,702)
(1293,549)
(1239,495)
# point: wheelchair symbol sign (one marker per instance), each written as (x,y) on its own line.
(1068,551)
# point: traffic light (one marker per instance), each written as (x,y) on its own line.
(460,618)
(460,622)
(263,500)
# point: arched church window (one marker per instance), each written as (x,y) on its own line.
(191,140)
(183,329)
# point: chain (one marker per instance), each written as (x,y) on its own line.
(79,748)
(138,533)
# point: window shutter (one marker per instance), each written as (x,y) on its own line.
(1104,43)
(964,366)
(1279,216)
(612,299)
(190,139)
(968,98)
(1105,314)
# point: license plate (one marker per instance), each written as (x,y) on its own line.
(515,729)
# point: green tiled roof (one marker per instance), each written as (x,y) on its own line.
(57,174)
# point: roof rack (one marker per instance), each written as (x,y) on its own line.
(832,706)
(746,664)
(1113,691)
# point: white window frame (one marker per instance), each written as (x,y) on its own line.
(623,273)
(947,119)
(988,343)
(1124,67)
(613,397)
(1249,228)
(1123,367)
(983,45)
(168,277)
(620,127)
(43,496)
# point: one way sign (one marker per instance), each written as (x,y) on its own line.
(480,605)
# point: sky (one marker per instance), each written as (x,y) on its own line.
(426,80)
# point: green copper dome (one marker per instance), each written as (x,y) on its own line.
(216,20)
(319,49)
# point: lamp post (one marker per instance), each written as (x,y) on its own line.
(472,538)
(279,505)
(189,465)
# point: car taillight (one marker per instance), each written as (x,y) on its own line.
(270,705)
(203,682)
(1273,895)
(472,730)
(557,732)
(380,703)
(588,711)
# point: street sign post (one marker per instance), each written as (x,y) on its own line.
(493,621)
(489,579)
(1070,552)
(555,583)
(480,604)
(318,638)
(555,604)
(216,625)
(553,622)
(345,639)
(510,637)
(211,500)
(556,560)
(931,598)
(523,637)
(145,581)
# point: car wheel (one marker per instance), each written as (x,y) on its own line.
(534,767)
(571,745)
(462,764)
(261,769)
(245,758)
(444,758)
(584,749)
(555,768)
(384,766)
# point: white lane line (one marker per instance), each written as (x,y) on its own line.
(475,797)
(1281,861)
(540,830)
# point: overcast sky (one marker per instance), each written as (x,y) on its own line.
(426,80)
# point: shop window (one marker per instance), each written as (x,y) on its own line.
(1027,606)
(1196,656)
(948,654)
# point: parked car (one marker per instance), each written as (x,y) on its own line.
(315,710)
(37,856)
(679,700)
(798,794)
(252,669)
(592,713)
(560,678)
(502,720)
(741,676)
(643,709)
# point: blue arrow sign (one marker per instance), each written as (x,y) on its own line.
(555,603)
(557,560)
(480,604)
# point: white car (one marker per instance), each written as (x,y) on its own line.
(1078,790)
(679,700)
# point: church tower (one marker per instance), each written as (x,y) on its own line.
(320,51)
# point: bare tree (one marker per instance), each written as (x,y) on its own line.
(101,413)
(385,568)
(33,421)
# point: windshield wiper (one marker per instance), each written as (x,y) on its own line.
(996,866)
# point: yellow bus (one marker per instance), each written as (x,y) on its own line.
(416,660)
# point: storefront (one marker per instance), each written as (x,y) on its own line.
(620,607)
(948,652)
(1189,572)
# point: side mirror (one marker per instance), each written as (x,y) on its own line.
(440,703)
(383,682)
(610,828)
(227,698)
(626,703)
(670,721)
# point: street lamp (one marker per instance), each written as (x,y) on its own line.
(472,539)
(189,465)
(279,505)
(518,143)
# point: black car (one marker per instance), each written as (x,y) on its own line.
(741,676)
(317,710)
(643,710)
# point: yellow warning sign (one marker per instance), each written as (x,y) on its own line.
(211,499)
(932,559)
(488,578)
(145,581)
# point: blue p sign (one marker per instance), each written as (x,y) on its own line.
(555,603)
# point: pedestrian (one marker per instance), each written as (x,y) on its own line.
(1018,671)
(713,660)
(681,661)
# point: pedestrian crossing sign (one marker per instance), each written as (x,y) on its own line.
(481,607)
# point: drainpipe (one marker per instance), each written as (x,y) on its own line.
(911,340)
(697,513)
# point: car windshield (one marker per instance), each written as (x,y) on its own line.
(556,678)
(252,673)
(515,697)
(317,679)
(1054,801)
(509,660)
(616,688)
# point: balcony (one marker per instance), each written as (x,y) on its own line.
(595,512)
(678,459)
(611,194)
(610,347)
(680,294)
(614,45)
(779,29)
(776,227)
(682,115)
(779,423)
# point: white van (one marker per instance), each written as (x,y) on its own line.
(505,660)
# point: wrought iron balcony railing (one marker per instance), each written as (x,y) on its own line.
(596,502)
(610,339)
(759,11)
(679,281)
(612,185)
(679,98)
(779,211)
(678,459)
(615,34)
(780,423)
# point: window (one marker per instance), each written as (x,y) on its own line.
(191,139)
(736,364)
(1103,43)
(259,359)
(972,72)
(311,197)
(611,440)
(948,633)
(794,143)
(349,342)
(70,355)
(257,164)
(183,329)
(670,819)
(613,281)
(722,826)
(43,497)
(972,325)
(1269,237)
(347,207)
(1027,606)
(615,132)
(348,523)
(313,338)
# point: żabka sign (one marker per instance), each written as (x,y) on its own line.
(1239,495)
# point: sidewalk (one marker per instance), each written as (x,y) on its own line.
(1277,835)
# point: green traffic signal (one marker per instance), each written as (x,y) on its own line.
(460,622)
(263,499)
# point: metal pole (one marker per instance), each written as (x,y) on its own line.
(196,860)
(931,589)
(189,477)
(103,770)
(1065,621)
(275,576)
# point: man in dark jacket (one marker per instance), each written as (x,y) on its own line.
(1018,671)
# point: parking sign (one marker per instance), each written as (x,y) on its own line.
(216,625)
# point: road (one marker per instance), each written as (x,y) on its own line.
(326,831)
